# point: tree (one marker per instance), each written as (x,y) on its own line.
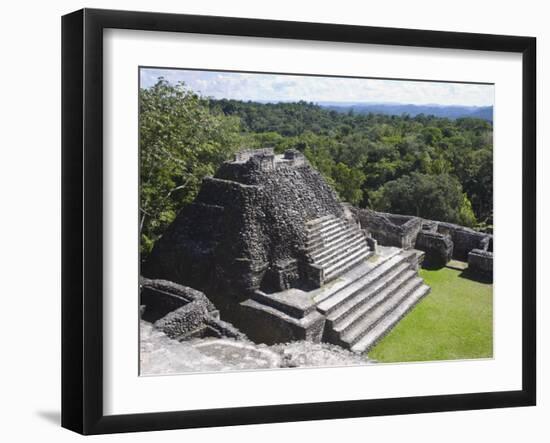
(181,140)
(436,197)
(432,135)
(348,182)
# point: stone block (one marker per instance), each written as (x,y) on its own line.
(438,248)
(265,324)
(284,274)
(372,244)
(464,239)
(314,275)
(481,262)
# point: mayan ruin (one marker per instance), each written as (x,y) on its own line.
(296,231)
(282,259)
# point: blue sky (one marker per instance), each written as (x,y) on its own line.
(276,87)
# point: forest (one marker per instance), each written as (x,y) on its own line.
(432,167)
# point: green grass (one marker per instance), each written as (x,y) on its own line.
(454,321)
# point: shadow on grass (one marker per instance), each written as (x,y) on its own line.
(431,266)
(476,276)
(466,273)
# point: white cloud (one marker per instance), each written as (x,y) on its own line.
(278,87)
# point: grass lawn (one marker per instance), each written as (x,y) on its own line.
(454,321)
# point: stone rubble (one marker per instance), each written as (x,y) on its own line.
(160,355)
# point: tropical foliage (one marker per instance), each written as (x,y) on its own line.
(427,166)
(181,140)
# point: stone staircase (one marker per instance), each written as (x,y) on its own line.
(334,246)
(359,292)
(361,312)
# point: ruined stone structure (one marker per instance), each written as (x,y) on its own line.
(246,228)
(283,259)
(438,247)
(439,240)
(481,262)
(390,229)
(182,312)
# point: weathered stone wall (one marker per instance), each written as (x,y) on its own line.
(270,326)
(438,248)
(440,240)
(160,297)
(181,312)
(464,239)
(481,262)
(390,229)
(184,322)
(245,223)
(221,328)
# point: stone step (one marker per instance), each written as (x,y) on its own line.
(339,253)
(329,248)
(353,316)
(371,319)
(357,273)
(342,254)
(330,304)
(324,225)
(319,220)
(317,244)
(328,231)
(367,293)
(387,323)
(343,266)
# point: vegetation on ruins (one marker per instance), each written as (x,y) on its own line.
(181,140)
(432,167)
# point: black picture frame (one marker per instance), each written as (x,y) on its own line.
(82,218)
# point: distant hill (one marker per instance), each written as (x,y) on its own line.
(452,112)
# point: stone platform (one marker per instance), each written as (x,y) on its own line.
(160,355)
(354,310)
